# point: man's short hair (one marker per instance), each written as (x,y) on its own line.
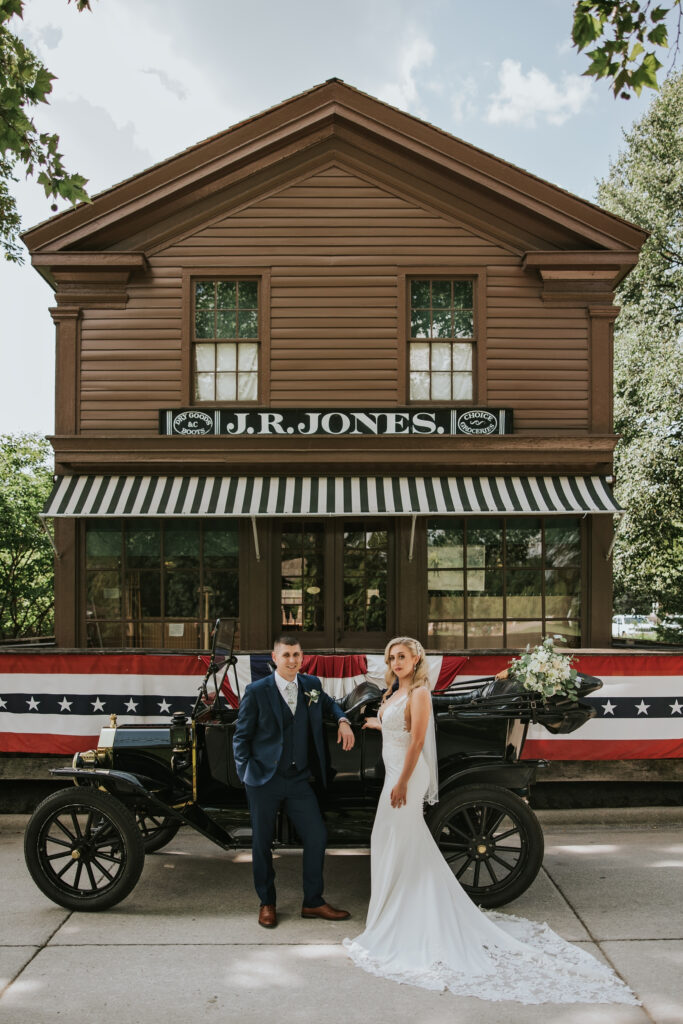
(287,640)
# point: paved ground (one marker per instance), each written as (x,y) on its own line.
(185,946)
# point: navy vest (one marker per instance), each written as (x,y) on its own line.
(295,736)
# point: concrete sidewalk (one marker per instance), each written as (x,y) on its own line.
(185,945)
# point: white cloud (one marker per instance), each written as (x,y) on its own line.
(412,56)
(522,97)
(463,99)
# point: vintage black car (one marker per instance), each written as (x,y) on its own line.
(85,846)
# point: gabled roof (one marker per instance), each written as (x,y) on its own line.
(523,211)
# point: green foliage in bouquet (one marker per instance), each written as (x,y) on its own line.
(545,671)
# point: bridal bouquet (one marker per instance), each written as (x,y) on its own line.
(546,671)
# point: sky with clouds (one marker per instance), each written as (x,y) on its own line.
(139,80)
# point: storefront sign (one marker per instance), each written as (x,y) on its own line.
(334,422)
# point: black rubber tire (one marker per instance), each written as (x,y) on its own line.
(156,830)
(84,828)
(476,816)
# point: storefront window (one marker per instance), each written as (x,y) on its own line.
(225,341)
(365,580)
(441,340)
(152,584)
(302,590)
(503,582)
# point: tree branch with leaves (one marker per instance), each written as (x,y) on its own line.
(629,35)
(25,83)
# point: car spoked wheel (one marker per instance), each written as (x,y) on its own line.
(156,829)
(83,849)
(492,841)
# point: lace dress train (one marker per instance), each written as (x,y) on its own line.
(423,929)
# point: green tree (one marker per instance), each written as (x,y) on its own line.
(645,185)
(628,35)
(26,554)
(24,83)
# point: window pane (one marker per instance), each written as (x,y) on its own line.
(441,294)
(562,542)
(247,389)
(226,294)
(462,356)
(463,325)
(204,387)
(181,595)
(221,545)
(485,634)
(142,595)
(519,634)
(247,357)
(446,636)
(419,385)
(523,541)
(462,387)
(441,386)
(523,594)
(143,545)
(221,594)
(204,356)
(562,593)
(484,542)
(204,295)
(226,324)
(181,543)
(419,355)
(226,387)
(103,597)
(103,545)
(442,323)
(570,630)
(248,294)
(248,323)
(204,325)
(447,580)
(420,323)
(462,294)
(441,356)
(419,293)
(484,594)
(103,634)
(444,606)
(226,357)
(444,544)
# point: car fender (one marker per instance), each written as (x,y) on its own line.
(128,788)
(515,775)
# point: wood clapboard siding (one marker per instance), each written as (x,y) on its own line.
(131,358)
(334,244)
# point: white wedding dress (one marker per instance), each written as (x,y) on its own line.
(423,929)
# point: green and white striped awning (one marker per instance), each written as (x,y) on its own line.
(191,496)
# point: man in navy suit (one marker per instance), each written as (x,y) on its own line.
(279,733)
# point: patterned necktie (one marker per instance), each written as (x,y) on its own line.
(291,695)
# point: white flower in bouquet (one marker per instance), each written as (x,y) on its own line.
(545,671)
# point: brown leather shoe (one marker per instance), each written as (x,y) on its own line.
(267,916)
(325,911)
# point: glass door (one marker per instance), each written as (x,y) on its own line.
(335,584)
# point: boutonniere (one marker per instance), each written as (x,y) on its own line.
(313,696)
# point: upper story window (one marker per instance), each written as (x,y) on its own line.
(441,340)
(225,341)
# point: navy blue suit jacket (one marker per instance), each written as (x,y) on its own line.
(259,731)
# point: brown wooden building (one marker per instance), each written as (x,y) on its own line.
(337,370)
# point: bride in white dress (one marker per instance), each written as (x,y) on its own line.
(422,928)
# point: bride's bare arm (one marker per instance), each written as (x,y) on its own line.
(420,706)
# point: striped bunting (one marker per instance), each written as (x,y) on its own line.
(159,496)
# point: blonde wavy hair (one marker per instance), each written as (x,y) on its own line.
(420,673)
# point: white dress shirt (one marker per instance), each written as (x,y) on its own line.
(282,685)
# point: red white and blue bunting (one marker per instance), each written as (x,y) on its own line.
(57,703)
